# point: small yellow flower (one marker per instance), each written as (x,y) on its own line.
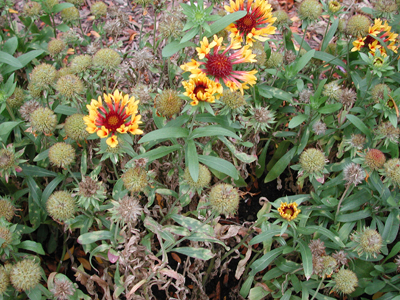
(202,88)
(112,141)
(289,211)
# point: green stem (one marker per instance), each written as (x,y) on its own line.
(10,112)
(154,32)
(53,25)
(72,175)
(302,40)
(141,32)
(318,288)
(64,250)
(341,199)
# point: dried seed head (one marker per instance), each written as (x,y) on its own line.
(32,9)
(99,9)
(107,58)
(368,241)
(76,2)
(258,50)
(142,93)
(329,264)
(168,103)
(289,57)
(170,25)
(17,98)
(143,59)
(346,281)
(274,61)
(43,75)
(43,120)
(332,90)
(28,108)
(70,14)
(7,210)
(317,247)
(6,235)
(203,180)
(353,174)
(392,171)
(310,10)
(25,275)
(312,160)
(61,206)
(319,127)
(69,85)
(378,92)
(304,96)
(81,63)
(341,257)
(4,280)
(385,6)
(75,127)
(358,25)
(348,97)
(62,289)
(224,199)
(62,155)
(357,141)
(88,187)
(127,210)
(374,159)
(135,179)
(56,46)
(49,4)
(386,130)
(233,99)
(281,16)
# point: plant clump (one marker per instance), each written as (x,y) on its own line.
(61,206)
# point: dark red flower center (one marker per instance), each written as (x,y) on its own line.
(218,65)
(111,120)
(246,24)
(199,88)
(288,211)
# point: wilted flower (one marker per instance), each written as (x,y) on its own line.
(348,97)
(356,141)
(28,108)
(118,114)
(62,155)
(261,118)
(368,241)
(25,274)
(135,179)
(90,192)
(201,88)
(32,9)
(143,59)
(346,281)
(219,65)
(374,159)
(63,289)
(288,211)
(7,209)
(255,25)
(317,247)
(340,257)
(353,174)
(224,199)
(378,92)
(304,96)
(332,90)
(168,103)
(17,98)
(4,280)
(310,10)
(9,161)
(127,210)
(319,127)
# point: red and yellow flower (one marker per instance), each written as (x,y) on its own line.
(118,114)
(382,31)
(289,211)
(256,24)
(202,88)
(219,63)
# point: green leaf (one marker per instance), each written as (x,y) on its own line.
(193,224)
(265,236)
(24,59)
(11,45)
(258,293)
(245,289)
(189,35)
(280,165)
(65,110)
(330,108)
(359,124)
(220,165)
(59,7)
(192,160)
(395,250)
(91,237)
(174,47)
(275,92)
(36,171)
(200,253)
(329,59)
(359,215)
(158,152)
(51,187)
(263,262)
(165,133)
(225,21)
(42,155)
(6,128)
(244,157)
(34,190)
(297,120)
(310,229)
(32,246)
(10,60)
(392,223)
(329,35)
(306,258)
(303,61)
(63,27)
(212,130)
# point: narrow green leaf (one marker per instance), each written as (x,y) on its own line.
(306,258)
(280,165)
(359,215)
(258,293)
(303,61)
(36,171)
(32,246)
(275,92)
(245,289)
(200,253)
(330,108)
(212,130)
(192,160)
(265,236)
(65,110)
(59,7)
(189,35)
(158,152)
(263,262)
(24,59)
(297,120)
(391,229)
(91,237)
(11,45)
(165,133)
(395,250)
(225,21)
(6,128)
(328,58)
(359,124)
(310,229)
(329,35)
(174,47)
(10,60)
(193,224)
(220,165)
(300,40)
(34,190)
(42,155)
(51,187)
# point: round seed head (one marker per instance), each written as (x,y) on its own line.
(392,171)
(7,235)
(43,120)
(329,264)
(332,90)
(17,98)
(312,160)
(258,50)
(62,154)
(168,103)
(64,71)
(34,90)
(233,99)
(357,141)
(346,281)
(49,4)
(81,63)
(76,2)
(63,289)
(374,159)
(358,25)
(28,108)
(348,97)
(353,174)
(127,210)
(7,210)
(69,85)
(43,75)
(224,199)
(274,61)
(319,127)
(341,257)
(135,179)
(310,10)
(281,16)
(143,59)
(106,58)
(4,280)
(75,127)
(317,247)
(378,92)
(99,9)
(142,92)
(61,206)
(56,46)
(25,275)
(32,9)
(70,14)
(203,180)
(304,96)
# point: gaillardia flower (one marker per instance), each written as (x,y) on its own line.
(289,211)
(117,114)
(202,88)
(381,31)
(256,24)
(220,65)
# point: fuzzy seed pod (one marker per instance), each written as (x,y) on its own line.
(76,2)
(319,127)
(61,154)
(358,25)
(7,235)
(56,46)
(258,50)
(224,199)
(281,16)
(69,85)
(168,103)
(310,10)
(34,90)
(127,210)
(81,63)
(28,108)
(332,90)
(49,4)
(99,9)
(312,160)
(331,49)
(353,174)
(203,180)
(142,93)
(7,210)
(274,61)
(43,120)
(7,160)
(233,99)
(170,25)
(63,289)
(386,130)
(378,92)
(107,59)
(317,247)
(368,241)
(357,141)
(32,9)
(4,280)
(70,14)
(142,59)
(374,159)
(340,257)
(346,281)
(43,75)
(329,264)
(385,6)
(61,206)
(64,71)
(75,127)
(25,275)
(135,179)
(17,98)
(304,96)
(348,97)
(392,171)
(289,57)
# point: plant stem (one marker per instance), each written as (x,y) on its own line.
(318,288)
(341,199)
(64,250)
